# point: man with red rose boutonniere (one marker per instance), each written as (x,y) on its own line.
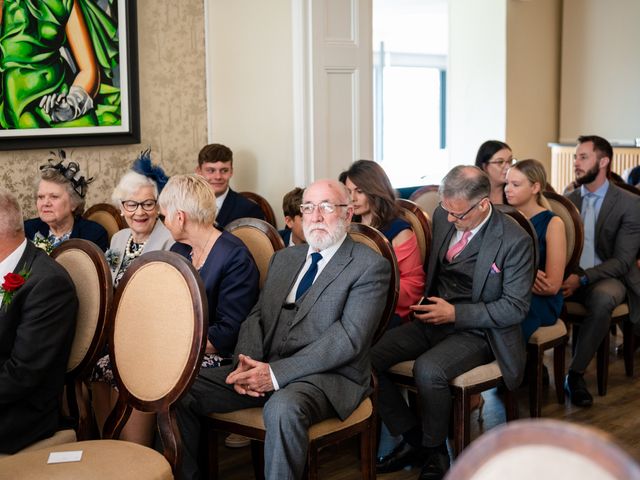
(38,307)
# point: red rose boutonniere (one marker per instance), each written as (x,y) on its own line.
(12,282)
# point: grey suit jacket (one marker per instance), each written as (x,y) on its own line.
(617,242)
(328,342)
(500,300)
(160,239)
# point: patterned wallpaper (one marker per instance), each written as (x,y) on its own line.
(173,110)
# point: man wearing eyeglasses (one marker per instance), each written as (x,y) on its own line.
(303,353)
(479,280)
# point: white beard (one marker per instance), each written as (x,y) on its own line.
(324,238)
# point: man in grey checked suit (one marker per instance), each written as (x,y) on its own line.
(303,359)
(608,272)
(478,293)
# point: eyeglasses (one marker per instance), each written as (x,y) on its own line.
(323,207)
(461,215)
(502,161)
(147,205)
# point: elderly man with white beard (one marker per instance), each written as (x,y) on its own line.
(303,352)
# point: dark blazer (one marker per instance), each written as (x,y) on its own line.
(236,206)
(617,242)
(82,228)
(231,280)
(36,331)
(328,341)
(285,234)
(500,300)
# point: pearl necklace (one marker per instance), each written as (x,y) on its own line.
(133,250)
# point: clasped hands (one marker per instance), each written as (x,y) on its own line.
(438,312)
(250,377)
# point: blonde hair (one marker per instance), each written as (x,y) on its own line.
(535,173)
(189,193)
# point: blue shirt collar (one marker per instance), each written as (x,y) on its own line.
(600,192)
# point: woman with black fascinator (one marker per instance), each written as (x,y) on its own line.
(60,201)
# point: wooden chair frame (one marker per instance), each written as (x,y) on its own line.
(111,211)
(163,407)
(427,189)
(366,428)
(408,208)
(76,377)
(264,205)
(592,444)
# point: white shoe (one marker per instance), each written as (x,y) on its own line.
(236,441)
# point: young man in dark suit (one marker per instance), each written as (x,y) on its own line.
(479,280)
(293,233)
(303,353)
(37,319)
(215,164)
(608,273)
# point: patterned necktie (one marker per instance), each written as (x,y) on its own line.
(457,247)
(588,257)
(309,276)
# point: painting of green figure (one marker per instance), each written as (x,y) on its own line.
(59,64)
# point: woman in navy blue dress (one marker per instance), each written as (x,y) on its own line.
(526,181)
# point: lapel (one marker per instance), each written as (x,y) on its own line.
(442,232)
(25,263)
(227,207)
(491,243)
(334,268)
(608,203)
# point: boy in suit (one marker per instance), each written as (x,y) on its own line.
(293,234)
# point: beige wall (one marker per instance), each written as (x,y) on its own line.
(533,77)
(251,92)
(172,106)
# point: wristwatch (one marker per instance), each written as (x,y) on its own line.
(584,280)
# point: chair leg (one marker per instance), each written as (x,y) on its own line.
(558,370)
(257,457)
(461,430)
(213,462)
(312,462)
(535,380)
(629,346)
(603,365)
(511,404)
(367,452)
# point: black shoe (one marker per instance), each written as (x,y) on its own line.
(576,388)
(435,467)
(402,456)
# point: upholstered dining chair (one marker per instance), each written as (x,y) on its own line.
(362,421)
(106,215)
(156,344)
(532,449)
(476,380)
(427,198)
(261,238)
(90,274)
(420,224)
(264,205)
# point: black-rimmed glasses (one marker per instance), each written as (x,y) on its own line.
(460,216)
(147,205)
(324,207)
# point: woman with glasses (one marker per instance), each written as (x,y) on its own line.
(374,204)
(136,195)
(526,181)
(60,200)
(495,158)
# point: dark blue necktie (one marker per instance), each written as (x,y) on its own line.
(309,276)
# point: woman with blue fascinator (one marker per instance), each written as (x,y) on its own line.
(136,195)
(60,200)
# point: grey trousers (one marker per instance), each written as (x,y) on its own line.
(440,353)
(600,299)
(288,413)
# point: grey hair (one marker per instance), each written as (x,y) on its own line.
(191,194)
(54,176)
(129,184)
(10,215)
(466,182)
